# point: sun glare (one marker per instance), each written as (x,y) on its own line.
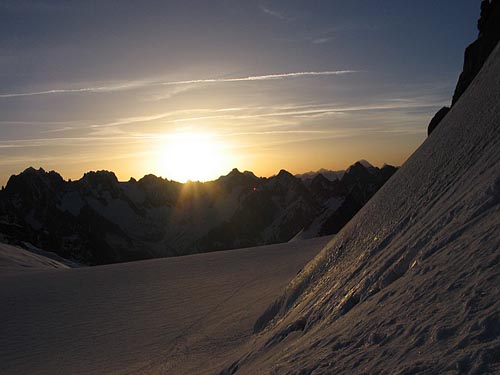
(192,156)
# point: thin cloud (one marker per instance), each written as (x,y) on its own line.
(73,91)
(138,85)
(160,116)
(131,120)
(311,111)
(264,77)
(326,35)
(275,132)
(59,130)
(83,140)
(322,40)
(248,113)
(274,13)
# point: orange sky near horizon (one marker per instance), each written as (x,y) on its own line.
(202,157)
(191,90)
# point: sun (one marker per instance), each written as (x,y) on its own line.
(192,157)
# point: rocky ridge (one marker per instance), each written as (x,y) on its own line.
(98,219)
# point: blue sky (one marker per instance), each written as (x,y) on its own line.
(267,85)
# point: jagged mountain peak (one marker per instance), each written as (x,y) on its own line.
(150,179)
(332,175)
(284,172)
(237,178)
(357,168)
(32,170)
(285,176)
(235,171)
(104,174)
(33,177)
(40,173)
(102,178)
(365,163)
(236,210)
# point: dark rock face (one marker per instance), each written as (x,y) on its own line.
(323,188)
(437,119)
(475,54)
(99,220)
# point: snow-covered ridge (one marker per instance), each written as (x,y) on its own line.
(410,285)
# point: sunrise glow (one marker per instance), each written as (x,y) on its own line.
(173,91)
(192,156)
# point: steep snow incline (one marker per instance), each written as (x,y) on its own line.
(171,316)
(411,285)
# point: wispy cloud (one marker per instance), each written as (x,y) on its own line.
(132,120)
(144,84)
(275,132)
(322,40)
(99,89)
(287,112)
(62,129)
(284,114)
(274,13)
(327,35)
(264,77)
(311,111)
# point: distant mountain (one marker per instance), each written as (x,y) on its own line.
(99,220)
(344,198)
(327,173)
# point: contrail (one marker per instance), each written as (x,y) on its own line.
(54,91)
(71,91)
(262,77)
(193,81)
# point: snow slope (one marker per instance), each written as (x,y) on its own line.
(14,259)
(180,315)
(411,285)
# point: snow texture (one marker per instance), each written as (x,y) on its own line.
(15,259)
(411,285)
(178,315)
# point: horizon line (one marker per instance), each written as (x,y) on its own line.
(318,171)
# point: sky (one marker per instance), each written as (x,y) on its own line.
(191,89)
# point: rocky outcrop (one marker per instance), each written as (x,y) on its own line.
(437,119)
(475,54)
